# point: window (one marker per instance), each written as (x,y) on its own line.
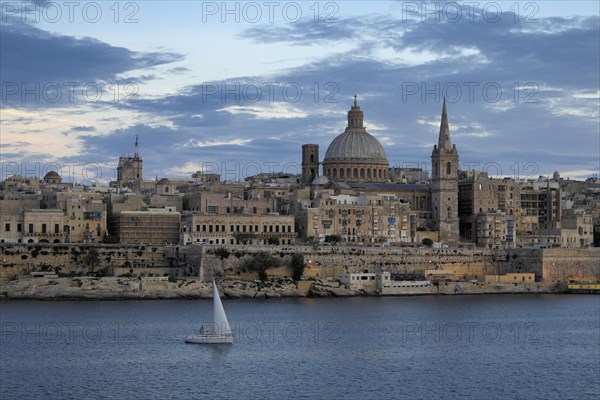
(197,228)
(448,168)
(210,228)
(43,228)
(19,227)
(7,227)
(203,228)
(213,209)
(57,228)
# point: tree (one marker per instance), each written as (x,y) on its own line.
(260,263)
(92,259)
(273,240)
(427,242)
(297,266)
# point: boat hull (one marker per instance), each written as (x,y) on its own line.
(209,339)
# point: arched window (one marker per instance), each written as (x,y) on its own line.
(448,168)
(434,170)
(341,172)
(362,172)
(355,172)
(368,172)
(312,158)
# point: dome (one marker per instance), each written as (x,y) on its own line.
(52,177)
(355,155)
(355,146)
(163,181)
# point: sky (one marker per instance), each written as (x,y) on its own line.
(236,88)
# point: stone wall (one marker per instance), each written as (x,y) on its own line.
(22,259)
(564,264)
(551,265)
(331,261)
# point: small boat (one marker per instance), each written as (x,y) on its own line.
(220,332)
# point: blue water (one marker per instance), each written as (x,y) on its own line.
(473,347)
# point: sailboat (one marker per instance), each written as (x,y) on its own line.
(220,332)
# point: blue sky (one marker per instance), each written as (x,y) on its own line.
(237,89)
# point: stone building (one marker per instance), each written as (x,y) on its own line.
(151,226)
(363,218)
(12,219)
(237,229)
(130,169)
(495,230)
(43,226)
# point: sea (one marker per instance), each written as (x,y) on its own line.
(430,347)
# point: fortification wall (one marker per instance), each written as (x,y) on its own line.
(551,265)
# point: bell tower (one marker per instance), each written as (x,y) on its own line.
(444,188)
(310,163)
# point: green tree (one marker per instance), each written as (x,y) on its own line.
(260,263)
(92,259)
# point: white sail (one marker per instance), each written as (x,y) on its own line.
(221,323)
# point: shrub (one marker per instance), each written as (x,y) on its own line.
(427,242)
(172,278)
(222,253)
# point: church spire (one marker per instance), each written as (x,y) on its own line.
(355,115)
(137,148)
(444,138)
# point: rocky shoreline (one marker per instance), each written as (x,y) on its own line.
(90,288)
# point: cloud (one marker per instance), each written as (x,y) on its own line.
(83,128)
(55,67)
(546,76)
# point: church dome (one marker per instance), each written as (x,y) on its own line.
(356,146)
(52,177)
(355,155)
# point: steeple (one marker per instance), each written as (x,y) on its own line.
(137,148)
(444,138)
(355,115)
